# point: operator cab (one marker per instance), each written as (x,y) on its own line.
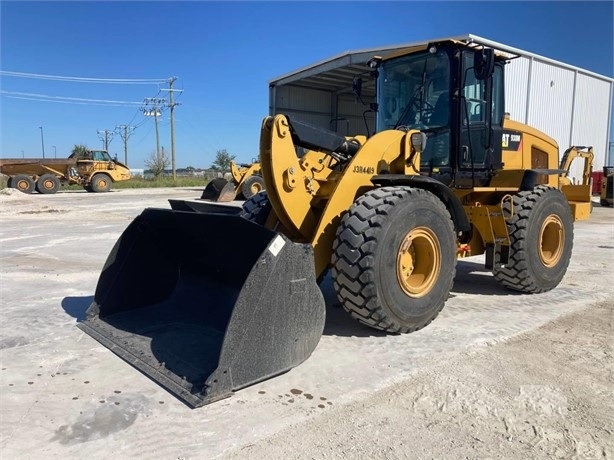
(455,95)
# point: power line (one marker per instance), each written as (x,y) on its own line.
(65,99)
(123,81)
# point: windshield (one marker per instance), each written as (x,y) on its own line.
(99,155)
(413,91)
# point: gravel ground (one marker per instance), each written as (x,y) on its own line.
(496,375)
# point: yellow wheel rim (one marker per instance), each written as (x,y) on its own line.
(23,185)
(48,184)
(256,188)
(551,241)
(418,262)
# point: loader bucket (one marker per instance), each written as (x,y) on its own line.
(206,303)
(219,190)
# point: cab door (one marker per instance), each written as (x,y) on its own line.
(481,124)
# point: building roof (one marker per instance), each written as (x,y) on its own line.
(333,74)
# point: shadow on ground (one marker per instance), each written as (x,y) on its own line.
(473,278)
(77,306)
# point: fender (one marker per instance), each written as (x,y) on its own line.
(445,194)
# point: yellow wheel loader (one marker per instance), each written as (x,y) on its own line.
(246,182)
(206,300)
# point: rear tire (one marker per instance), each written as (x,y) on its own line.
(541,238)
(394,259)
(100,183)
(257,208)
(22,183)
(252,185)
(47,184)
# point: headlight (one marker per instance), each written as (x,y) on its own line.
(418,141)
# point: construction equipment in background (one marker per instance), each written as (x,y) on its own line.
(207,300)
(95,170)
(606,197)
(246,182)
(578,195)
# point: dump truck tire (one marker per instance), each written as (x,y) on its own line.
(257,208)
(47,184)
(22,183)
(394,259)
(253,184)
(541,238)
(100,183)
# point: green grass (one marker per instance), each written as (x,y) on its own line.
(139,182)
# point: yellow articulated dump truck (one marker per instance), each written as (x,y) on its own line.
(205,300)
(95,170)
(246,182)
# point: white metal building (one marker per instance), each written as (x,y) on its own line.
(570,104)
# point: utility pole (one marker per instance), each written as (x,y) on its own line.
(172,106)
(155,112)
(42,141)
(106,140)
(124,132)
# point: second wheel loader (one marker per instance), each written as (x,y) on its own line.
(246,182)
(446,175)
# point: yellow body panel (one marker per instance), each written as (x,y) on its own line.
(310,194)
(241,173)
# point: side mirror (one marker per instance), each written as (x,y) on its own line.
(357,86)
(484,63)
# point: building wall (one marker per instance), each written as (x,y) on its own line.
(591,109)
(567,104)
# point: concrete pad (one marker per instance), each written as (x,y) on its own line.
(63,395)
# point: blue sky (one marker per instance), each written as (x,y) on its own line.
(224,54)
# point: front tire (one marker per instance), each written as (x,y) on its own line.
(257,208)
(394,259)
(100,183)
(541,238)
(252,185)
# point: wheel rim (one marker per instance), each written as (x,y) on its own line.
(551,241)
(23,185)
(256,188)
(418,262)
(48,184)
(102,183)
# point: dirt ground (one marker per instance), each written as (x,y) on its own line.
(548,393)
(496,375)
